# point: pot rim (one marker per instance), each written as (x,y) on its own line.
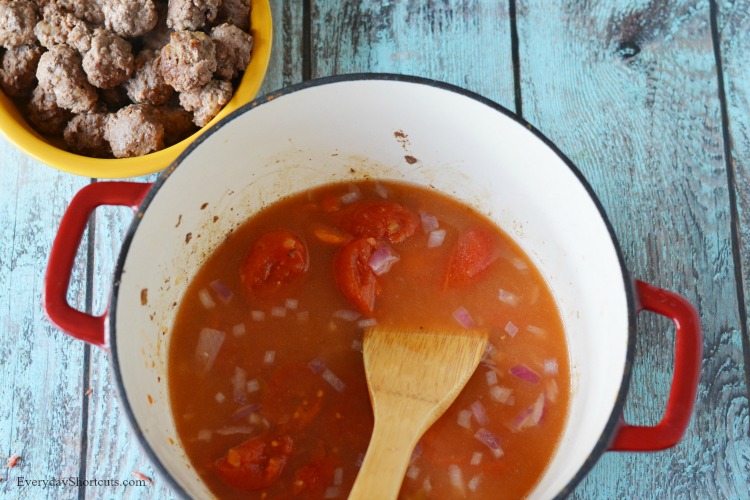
(615,416)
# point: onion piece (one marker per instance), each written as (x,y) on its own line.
(338,476)
(529,416)
(235,429)
(535,330)
(278,311)
(366,323)
(222,290)
(258,315)
(239,330)
(209,343)
(353,195)
(429,222)
(316,366)
(252,386)
(357,345)
(473,483)
(427,485)
(291,304)
(269,357)
(525,373)
(502,395)
(219,397)
(206,300)
(463,317)
(204,435)
(476,458)
(332,379)
(456,478)
(511,329)
(412,472)
(537,410)
(480,414)
(487,438)
(436,238)
(552,391)
(346,315)
(382,260)
(508,297)
(381,190)
(491,376)
(245,411)
(239,383)
(519,264)
(464,419)
(550,366)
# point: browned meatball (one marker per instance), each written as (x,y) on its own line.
(44,113)
(84,135)
(191,14)
(17,21)
(189,60)
(233,50)
(110,60)
(206,102)
(134,131)
(18,73)
(147,84)
(236,12)
(88,10)
(129,18)
(60,72)
(178,124)
(61,27)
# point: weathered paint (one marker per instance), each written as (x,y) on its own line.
(628,90)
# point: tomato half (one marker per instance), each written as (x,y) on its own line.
(355,277)
(294,397)
(256,463)
(276,259)
(473,253)
(384,219)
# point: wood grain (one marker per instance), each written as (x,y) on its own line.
(630,93)
(112,450)
(41,386)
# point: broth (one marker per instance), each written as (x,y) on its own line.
(265,367)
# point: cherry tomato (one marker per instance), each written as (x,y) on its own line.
(355,277)
(294,397)
(383,219)
(276,259)
(255,464)
(473,253)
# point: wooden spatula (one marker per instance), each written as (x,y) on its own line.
(413,377)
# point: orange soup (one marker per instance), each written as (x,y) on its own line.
(265,365)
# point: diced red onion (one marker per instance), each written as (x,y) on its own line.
(235,429)
(491,376)
(360,460)
(338,476)
(530,416)
(487,438)
(239,382)
(507,297)
(511,329)
(238,330)
(332,492)
(488,356)
(497,453)
(206,299)
(209,343)
(346,315)
(258,315)
(291,304)
(550,366)
(222,290)
(476,458)
(480,414)
(464,419)
(316,366)
(462,316)
(519,422)
(303,316)
(353,195)
(501,394)
(252,386)
(382,259)
(381,190)
(412,472)
(245,411)
(427,485)
(278,311)
(456,478)
(429,222)
(204,435)
(519,264)
(552,390)
(525,373)
(537,410)
(332,379)
(219,397)
(417,452)
(367,323)
(269,357)
(473,483)
(436,238)
(535,330)
(357,345)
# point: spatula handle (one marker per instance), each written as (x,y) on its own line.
(385,464)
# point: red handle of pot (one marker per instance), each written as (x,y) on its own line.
(78,324)
(687,363)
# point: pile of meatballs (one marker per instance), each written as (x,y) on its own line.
(122,78)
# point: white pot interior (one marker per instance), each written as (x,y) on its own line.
(352,130)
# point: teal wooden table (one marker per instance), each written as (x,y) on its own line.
(651,99)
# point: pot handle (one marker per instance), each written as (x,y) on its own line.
(687,364)
(78,324)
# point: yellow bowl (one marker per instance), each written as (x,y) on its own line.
(15,128)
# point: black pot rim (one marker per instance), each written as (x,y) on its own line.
(614,419)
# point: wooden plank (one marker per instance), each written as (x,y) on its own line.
(463,43)
(112,449)
(630,94)
(41,388)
